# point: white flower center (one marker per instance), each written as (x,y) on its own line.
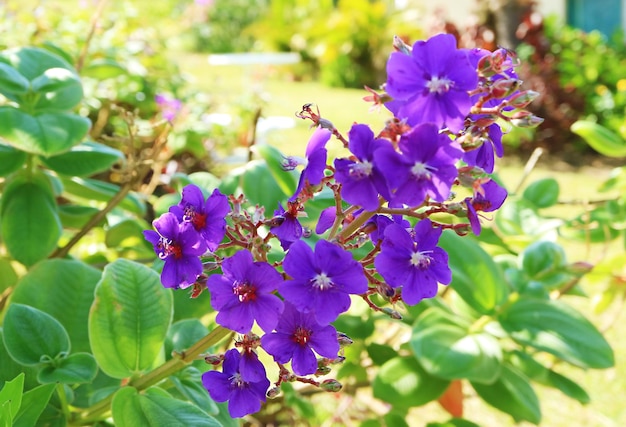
(361,170)
(438,85)
(322,282)
(421,170)
(420,260)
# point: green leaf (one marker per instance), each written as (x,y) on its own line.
(260,187)
(129,318)
(8,276)
(31,62)
(446,348)
(11,159)
(30,224)
(567,387)
(101,69)
(59,89)
(475,275)
(11,81)
(46,134)
(380,353)
(33,403)
(557,328)
(543,257)
(356,327)
(153,409)
(601,139)
(32,336)
(405,384)
(205,180)
(183,334)
(513,394)
(64,289)
(189,386)
(454,422)
(76,216)
(11,394)
(77,368)
(85,159)
(287,181)
(92,189)
(127,233)
(543,193)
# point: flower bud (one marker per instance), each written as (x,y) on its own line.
(273,393)
(344,340)
(392,313)
(323,370)
(504,87)
(401,46)
(331,386)
(530,121)
(522,99)
(213,359)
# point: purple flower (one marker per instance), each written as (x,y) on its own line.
(296,338)
(207,217)
(431,84)
(321,280)
(326,219)
(244,396)
(169,106)
(315,162)
(483,156)
(250,367)
(426,167)
(413,260)
(361,179)
(243,293)
(285,224)
(487,198)
(180,246)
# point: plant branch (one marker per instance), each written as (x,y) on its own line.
(80,61)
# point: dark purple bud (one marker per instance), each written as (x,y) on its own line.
(273,393)
(343,339)
(213,359)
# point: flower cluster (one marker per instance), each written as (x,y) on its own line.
(447,105)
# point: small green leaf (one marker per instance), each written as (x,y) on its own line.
(557,328)
(601,139)
(46,134)
(129,318)
(11,81)
(356,327)
(286,180)
(183,334)
(189,387)
(31,62)
(31,336)
(127,233)
(405,384)
(446,349)
(543,257)
(85,159)
(11,159)
(260,187)
(8,276)
(513,394)
(59,89)
(11,394)
(543,193)
(64,289)
(77,368)
(76,216)
(33,403)
(475,275)
(101,69)
(380,353)
(92,189)
(567,387)
(154,409)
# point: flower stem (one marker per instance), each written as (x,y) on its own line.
(175,364)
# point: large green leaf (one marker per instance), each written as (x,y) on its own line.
(403,383)
(59,89)
(286,180)
(129,318)
(543,193)
(11,81)
(46,134)
(187,385)
(513,394)
(31,62)
(84,159)
(446,348)
(11,159)
(557,328)
(64,289)
(32,336)
(475,275)
(154,408)
(260,187)
(30,224)
(601,139)
(33,403)
(11,395)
